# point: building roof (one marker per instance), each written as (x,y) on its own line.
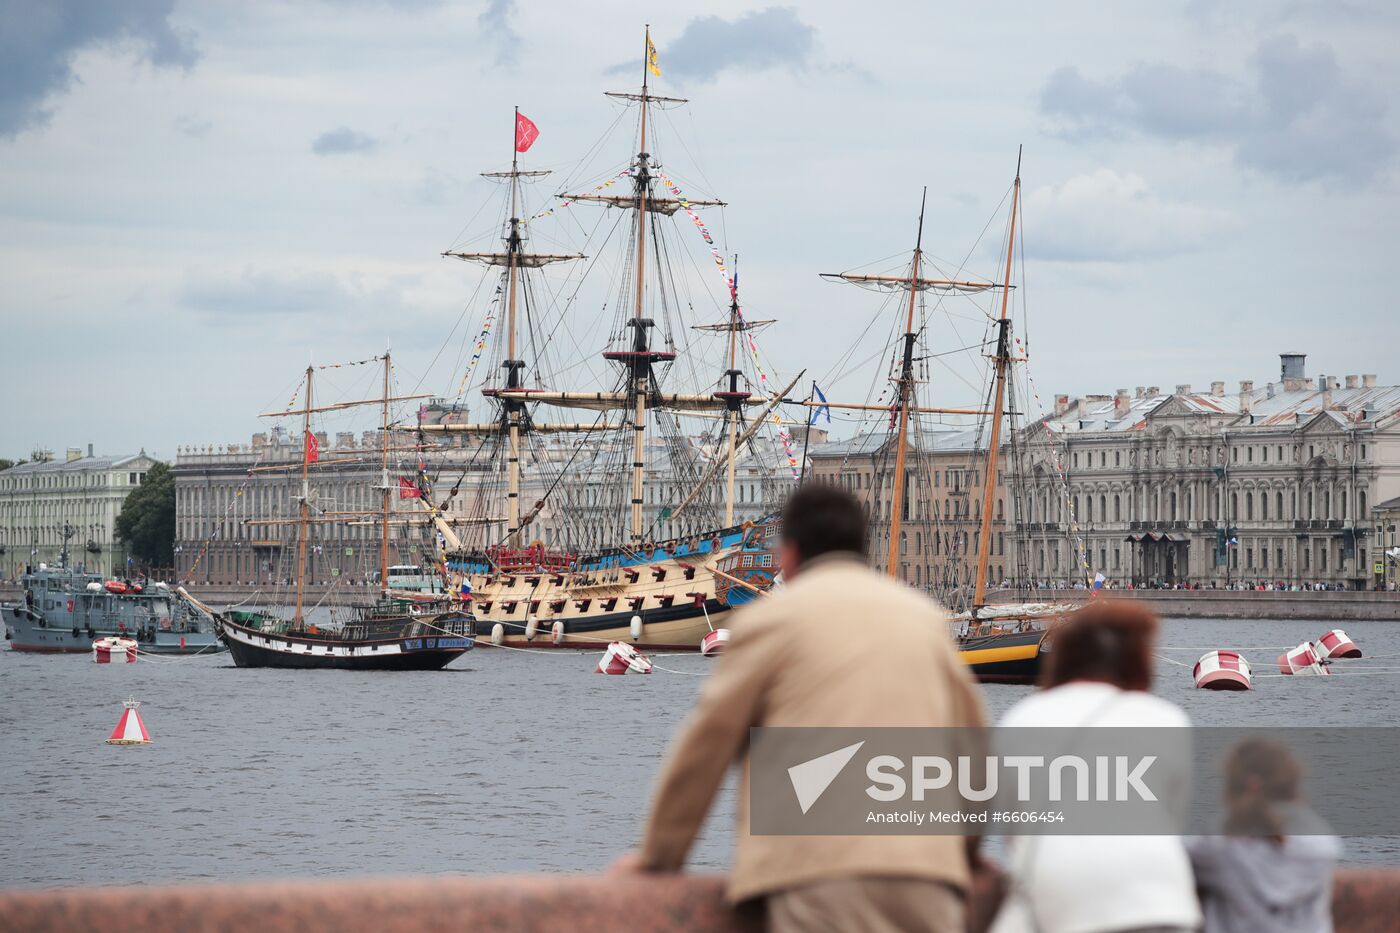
(81,464)
(1270,406)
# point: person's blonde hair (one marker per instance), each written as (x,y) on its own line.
(1259,775)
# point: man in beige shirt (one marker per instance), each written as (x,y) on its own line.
(838,646)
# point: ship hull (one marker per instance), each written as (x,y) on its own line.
(251,648)
(673,629)
(678,592)
(1011,658)
(25,634)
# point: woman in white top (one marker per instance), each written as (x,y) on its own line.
(1099,675)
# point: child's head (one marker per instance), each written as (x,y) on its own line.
(1260,774)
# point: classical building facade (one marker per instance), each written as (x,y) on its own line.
(1266,484)
(1385,558)
(940,518)
(220,490)
(236,504)
(49,503)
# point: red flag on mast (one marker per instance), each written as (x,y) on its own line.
(313,450)
(525,132)
(407,490)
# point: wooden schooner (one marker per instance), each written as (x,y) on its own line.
(611,575)
(396,632)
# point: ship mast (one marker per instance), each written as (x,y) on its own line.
(641,368)
(905,390)
(384,481)
(511,398)
(305,512)
(513,366)
(733,398)
(903,407)
(1001,360)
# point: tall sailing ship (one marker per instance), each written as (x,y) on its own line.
(608,572)
(1002,642)
(400,631)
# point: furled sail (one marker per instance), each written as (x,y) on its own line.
(605,401)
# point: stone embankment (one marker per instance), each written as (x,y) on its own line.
(1323,605)
(1363,901)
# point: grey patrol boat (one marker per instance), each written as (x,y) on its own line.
(65,610)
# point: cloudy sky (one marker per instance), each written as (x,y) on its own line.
(197,197)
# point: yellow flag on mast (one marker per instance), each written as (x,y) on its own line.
(652,66)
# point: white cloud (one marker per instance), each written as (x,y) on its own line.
(1299,115)
(1111,216)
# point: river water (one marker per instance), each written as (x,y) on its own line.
(506,761)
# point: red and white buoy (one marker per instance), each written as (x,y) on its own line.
(1222,670)
(130,729)
(1301,661)
(1336,644)
(114,648)
(622,658)
(715,642)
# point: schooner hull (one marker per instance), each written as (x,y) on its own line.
(1010,658)
(250,648)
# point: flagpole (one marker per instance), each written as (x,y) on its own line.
(807,434)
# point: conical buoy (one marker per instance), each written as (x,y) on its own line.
(1336,644)
(1222,670)
(714,642)
(130,729)
(622,658)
